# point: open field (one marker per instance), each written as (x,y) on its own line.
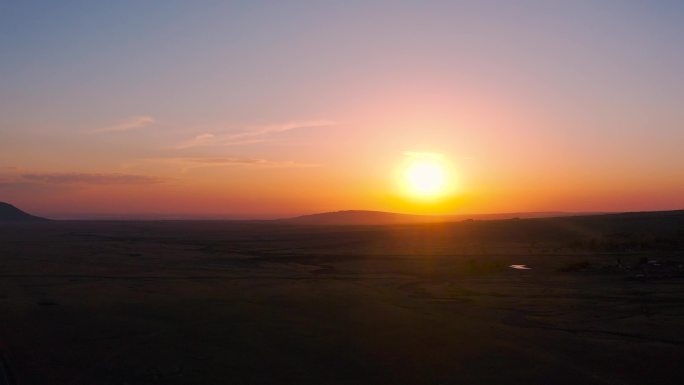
(273,303)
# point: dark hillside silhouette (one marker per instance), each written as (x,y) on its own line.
(9,213)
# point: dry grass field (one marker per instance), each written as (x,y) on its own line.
(274,303)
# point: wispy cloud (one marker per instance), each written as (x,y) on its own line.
(200,162)
(199,140)
(254,135)
(88,178)
(132,123)
(22,189)
(13,185)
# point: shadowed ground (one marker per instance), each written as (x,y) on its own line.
(272,303)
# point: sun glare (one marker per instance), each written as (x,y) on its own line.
(425,175)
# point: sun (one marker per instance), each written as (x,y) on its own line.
(425,178)
(426,175)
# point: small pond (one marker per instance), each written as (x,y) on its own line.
(519,267)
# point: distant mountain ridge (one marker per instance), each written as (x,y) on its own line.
(9,213)
(360,217)
(367,217)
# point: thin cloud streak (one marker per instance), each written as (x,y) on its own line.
(201,162)
(88,178)
(197,141)
(132,123)
(256,135)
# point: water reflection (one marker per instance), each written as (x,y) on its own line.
(519,267)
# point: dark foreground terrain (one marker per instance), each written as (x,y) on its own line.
(274,303)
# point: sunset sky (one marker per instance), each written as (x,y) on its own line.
(263,109)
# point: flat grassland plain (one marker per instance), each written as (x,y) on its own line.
(277,303)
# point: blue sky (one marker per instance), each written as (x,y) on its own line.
(510,90)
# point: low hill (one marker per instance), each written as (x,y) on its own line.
(629,231)
(597,226)
(9,213)
(361,217)
(365,217)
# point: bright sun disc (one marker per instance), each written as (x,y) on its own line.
(426,176)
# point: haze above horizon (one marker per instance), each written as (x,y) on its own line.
(265,110)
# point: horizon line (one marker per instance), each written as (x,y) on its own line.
(228,217)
